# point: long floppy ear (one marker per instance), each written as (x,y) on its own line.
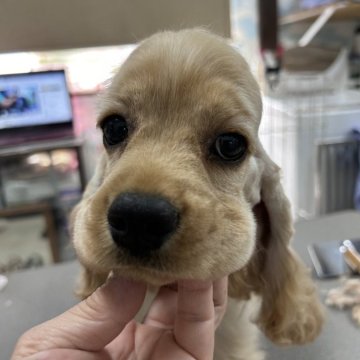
(88,280)
(290,310)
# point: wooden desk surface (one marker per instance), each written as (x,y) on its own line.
(24,209)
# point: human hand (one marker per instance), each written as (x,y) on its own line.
(180,325)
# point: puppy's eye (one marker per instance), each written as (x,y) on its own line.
(115,129)
(230,146)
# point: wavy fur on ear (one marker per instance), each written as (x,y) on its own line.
(290,310)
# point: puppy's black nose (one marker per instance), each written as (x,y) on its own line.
(141,223)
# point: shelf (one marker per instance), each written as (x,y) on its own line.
(344,10)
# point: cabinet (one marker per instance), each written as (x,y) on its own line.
(47,179)
(40,171)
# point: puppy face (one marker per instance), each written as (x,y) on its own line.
(180,122)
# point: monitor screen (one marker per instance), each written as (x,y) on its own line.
(33,99)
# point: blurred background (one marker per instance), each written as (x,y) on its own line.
(305,55)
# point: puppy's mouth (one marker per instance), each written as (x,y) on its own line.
(147,274)
(155,241)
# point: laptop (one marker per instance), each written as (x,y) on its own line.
(34,107)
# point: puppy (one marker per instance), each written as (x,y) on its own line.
(185,190)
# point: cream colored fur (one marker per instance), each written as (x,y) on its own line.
(178,91)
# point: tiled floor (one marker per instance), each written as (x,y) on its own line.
(23,237)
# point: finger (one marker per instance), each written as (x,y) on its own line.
(161,316)
(195,319)
(91,324)
(220,297)
(163,309)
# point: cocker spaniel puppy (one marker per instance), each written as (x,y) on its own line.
(185,190)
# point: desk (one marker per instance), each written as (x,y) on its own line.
(34,296)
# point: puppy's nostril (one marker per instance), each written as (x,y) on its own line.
(141,223)
(118,223)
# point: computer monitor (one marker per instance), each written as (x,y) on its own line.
(34,102)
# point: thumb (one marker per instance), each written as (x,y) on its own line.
(91,324)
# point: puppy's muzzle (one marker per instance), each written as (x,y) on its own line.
(141,223)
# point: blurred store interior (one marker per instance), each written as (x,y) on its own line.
(306,57)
